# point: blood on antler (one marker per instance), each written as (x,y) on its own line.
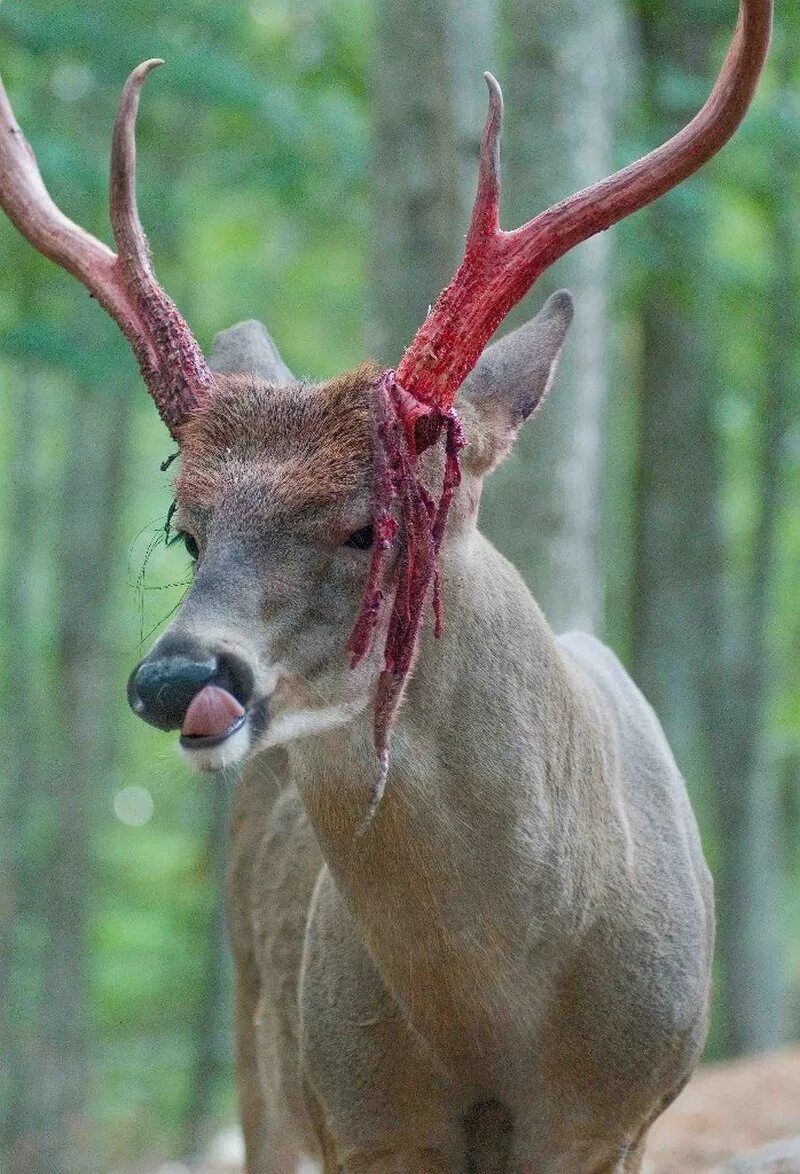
(170,360)
(497,271)
(500,267)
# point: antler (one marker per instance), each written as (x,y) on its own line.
(500,267)
(170,360)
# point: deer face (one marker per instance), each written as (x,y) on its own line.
(274,500)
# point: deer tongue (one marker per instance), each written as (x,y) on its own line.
(212,713)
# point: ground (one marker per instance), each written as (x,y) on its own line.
(727,1110)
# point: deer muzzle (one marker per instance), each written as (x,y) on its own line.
(204,694)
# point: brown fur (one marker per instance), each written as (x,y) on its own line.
(326,430)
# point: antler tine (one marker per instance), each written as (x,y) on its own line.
(125,223)
(172,364)
(485,219)
(500,267)
(170,360)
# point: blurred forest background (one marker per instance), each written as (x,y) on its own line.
(312,164)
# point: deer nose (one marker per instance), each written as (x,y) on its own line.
(161,688)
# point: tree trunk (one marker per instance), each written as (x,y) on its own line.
(21,780)
(428,62)
(678,557)
(90,508)
(542,507)
(678,545)
(739,689)
(697,657)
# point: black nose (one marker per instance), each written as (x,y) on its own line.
(161,688)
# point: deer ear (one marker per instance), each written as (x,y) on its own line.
(509,383)
(247,349)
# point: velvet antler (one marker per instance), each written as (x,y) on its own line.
(170,360)
(414,405)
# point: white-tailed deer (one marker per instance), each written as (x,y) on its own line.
(502,962)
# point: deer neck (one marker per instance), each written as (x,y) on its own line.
(488,832)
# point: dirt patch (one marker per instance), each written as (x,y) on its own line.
(727,1109)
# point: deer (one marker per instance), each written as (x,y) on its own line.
(471,919)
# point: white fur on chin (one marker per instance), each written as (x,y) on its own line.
(231,752)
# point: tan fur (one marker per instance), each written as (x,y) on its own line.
(507,971)
(331,420)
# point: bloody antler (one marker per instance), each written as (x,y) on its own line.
(170,360)
(500,267)
(414,405)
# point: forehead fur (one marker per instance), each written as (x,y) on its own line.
(306,444)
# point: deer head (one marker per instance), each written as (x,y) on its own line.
(298,500)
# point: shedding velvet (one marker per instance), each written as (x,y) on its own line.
(408,521)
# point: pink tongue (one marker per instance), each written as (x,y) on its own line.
(211,714)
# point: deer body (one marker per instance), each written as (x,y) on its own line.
(500,965)
(522,935)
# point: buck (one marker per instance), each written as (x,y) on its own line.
(470,914)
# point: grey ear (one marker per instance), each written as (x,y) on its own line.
(510,381)
(517,372)
(247,349)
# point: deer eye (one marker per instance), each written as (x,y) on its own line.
(192,549)
(361,539)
